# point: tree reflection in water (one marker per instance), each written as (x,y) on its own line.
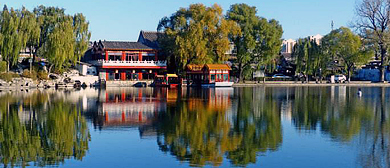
(35,130)
(198,129)
(203,126)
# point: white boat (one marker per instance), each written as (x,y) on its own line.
(218,84)
(224,84)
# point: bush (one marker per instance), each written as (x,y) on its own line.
(26,73)
(8,76)
(42,75)
(3,66)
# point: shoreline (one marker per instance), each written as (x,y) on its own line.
(311,84)
(236,85)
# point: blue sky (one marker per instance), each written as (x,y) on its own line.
(123,19)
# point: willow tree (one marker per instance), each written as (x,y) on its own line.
(12,36)
(347,47)
(33,31)
(196,35)
(59,47)
(63,39)
(308,57)
(47,18)
(82,36)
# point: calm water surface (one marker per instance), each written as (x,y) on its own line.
(248,127)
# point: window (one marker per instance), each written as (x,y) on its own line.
(148,56)
(131,56)
(225,77)
(212,77)
(219,77)
(114,56)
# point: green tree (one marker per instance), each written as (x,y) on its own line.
(33,31)
(347,47)
(269,44)
(82,36)
(47,18)
(196,35)
(11,36)
(245,43)
(309,57)
(59,47)
(259,42)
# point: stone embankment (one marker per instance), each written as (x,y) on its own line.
(25,83)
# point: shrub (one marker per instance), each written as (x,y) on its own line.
(27,74)
(3,66)
(8,76)
(42,75)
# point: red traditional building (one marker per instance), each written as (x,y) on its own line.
(208,75)
(123,61)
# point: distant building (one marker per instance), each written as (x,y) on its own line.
(288,46)
(126,61)
(317,38)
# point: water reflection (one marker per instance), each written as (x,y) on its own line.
(41,130)
(238,127)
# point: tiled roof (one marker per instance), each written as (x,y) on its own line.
(125,45)
(150,38)
(193,67)
(218,67)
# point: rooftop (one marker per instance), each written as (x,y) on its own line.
(218,67)
(124,45)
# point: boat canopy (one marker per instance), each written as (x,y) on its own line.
(172,76)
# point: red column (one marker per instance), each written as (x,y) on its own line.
(140,76)
(123,56)
(123,76)
(107,75)
(140,56)
(106,55)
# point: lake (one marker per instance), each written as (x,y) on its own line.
(223,127)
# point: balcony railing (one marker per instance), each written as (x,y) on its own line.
(128,63)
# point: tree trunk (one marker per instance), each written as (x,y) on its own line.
(307,78)
(240,71)
(33,54)
(7,64)
(49,70)
(349,74)
(381,67)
